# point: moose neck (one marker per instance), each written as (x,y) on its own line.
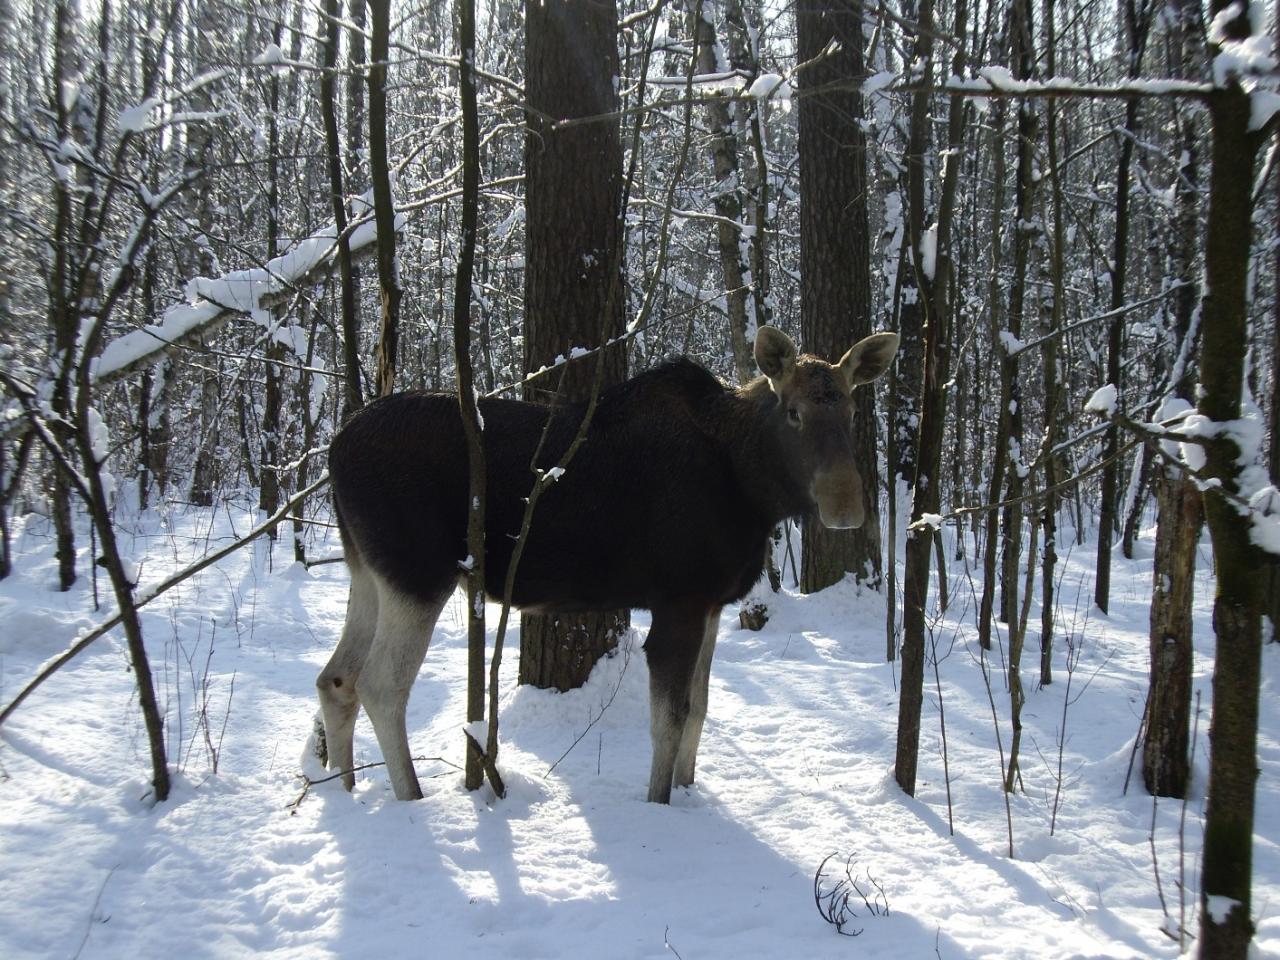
(763,469)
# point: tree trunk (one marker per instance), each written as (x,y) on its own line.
(383,207)
(1227,866)
(272,399)
(935,287)
(573,263)
(1027,231)
(476,496)
(352,397)
(1054,402)
(999,448)
(835,264)
(727,198)
(1166,769)
(1137,16)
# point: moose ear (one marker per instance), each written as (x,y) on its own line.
(775,353)
(869,358)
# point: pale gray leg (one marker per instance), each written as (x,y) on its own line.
(337,682)
(672,649)
(687,756)
(399,645)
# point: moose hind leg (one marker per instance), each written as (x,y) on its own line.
(687,756)
(672,652)
(337,682)
(399,645)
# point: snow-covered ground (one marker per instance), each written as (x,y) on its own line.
(796,764)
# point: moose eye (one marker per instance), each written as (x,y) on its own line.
(793,415)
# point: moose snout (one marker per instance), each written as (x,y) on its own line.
(838,495)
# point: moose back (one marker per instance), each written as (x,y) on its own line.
(667,506)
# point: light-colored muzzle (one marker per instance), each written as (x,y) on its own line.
(838,494)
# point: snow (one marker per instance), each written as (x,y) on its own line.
(1263,105)
(1102,401)
(1220,907)
(271,54)
(134,119)
(240,291)
(878,81)
(929,251)
(770,86)
(796,764)
(1011,344)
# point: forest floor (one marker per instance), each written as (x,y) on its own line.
(796,765)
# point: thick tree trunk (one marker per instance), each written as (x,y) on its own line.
(835,263)
(573,282)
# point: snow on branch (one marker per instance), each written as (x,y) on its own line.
(240,293)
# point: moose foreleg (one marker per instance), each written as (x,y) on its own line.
(672,650)
(687,756)
(337,682)
(399,646)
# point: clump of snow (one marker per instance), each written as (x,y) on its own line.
(878,81)
(135,119)
(1012,345)
(770,86)
(1196,425)
(1102,401)
(933,521)
(929,251)
(1220,907)
(271,54)
(1264,506)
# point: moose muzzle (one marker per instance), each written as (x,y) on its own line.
(838,494)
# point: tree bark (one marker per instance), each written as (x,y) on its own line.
(573,283)
(352,396)
(1027,231)
(835,263)
(1137,18)
(1227,866)
(383,207)
(1166,765)
(731,239)
(935,290)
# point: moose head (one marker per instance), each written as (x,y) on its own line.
(816,409)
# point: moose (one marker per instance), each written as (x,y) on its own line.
(667,506)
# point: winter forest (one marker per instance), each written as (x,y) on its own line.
(1024,704)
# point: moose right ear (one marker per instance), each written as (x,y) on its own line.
(775,353)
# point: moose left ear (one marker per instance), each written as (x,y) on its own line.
(869,358)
